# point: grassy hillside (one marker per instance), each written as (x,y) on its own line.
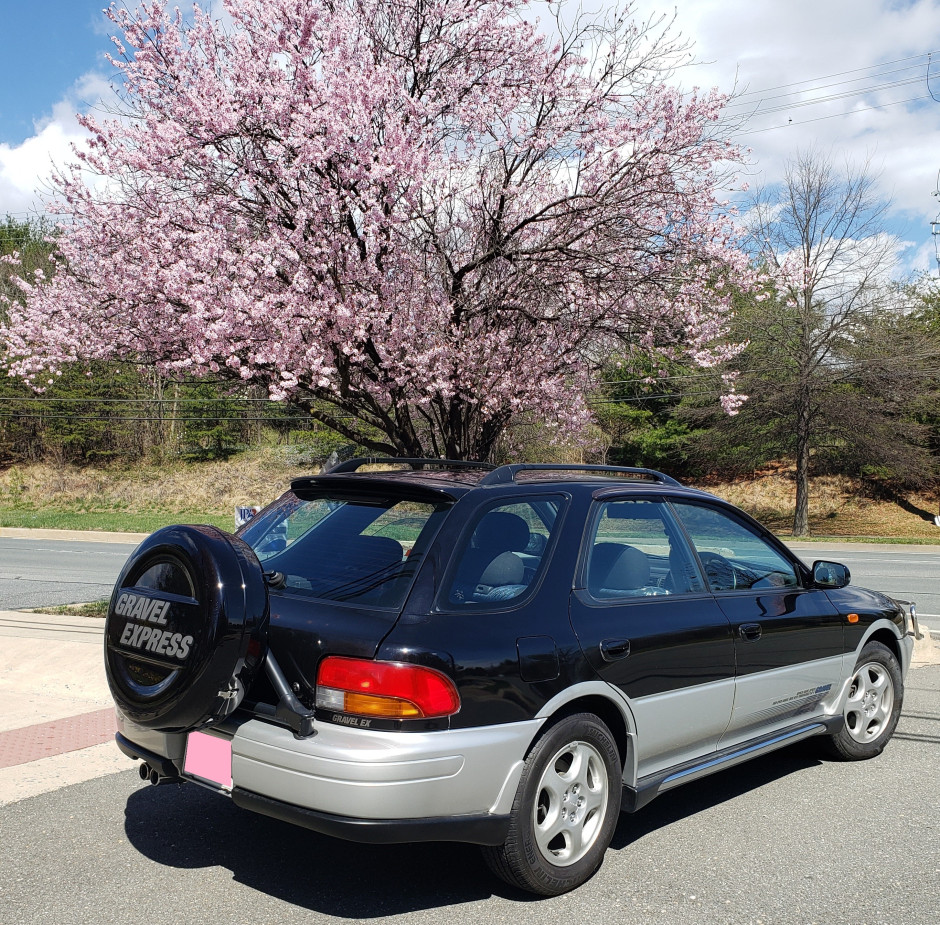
(839,507)
(142,498)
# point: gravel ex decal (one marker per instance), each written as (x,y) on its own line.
(350,721)
(815,694)
(150,638)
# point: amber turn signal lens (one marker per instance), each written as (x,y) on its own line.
(370,705)
(852,618)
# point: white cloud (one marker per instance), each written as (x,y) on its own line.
(756,45)
(752,45)
(25,169)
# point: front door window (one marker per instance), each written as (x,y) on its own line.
(734,557)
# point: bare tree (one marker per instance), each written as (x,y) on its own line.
(821,237)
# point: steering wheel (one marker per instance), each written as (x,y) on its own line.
(719,571)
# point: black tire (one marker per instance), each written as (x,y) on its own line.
(186,628)
(872,706)
(565,811)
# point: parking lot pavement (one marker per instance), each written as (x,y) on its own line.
(787,839)
(56,715)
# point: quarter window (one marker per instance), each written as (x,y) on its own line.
(505,553)
(734,556)
(361,551)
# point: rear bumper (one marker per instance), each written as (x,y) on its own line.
(364,785)
(377,775)
(164,766)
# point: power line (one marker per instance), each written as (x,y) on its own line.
(135,419)
(152,401)
(742,101)
(797,83)
(833,97)
(835,115)
(755,98)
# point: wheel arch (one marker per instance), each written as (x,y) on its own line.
(884,633)
(595,698)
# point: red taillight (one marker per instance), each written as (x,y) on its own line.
(390,690)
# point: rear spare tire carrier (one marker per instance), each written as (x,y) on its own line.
(186,629)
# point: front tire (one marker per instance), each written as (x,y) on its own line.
(872,705)
(565,811)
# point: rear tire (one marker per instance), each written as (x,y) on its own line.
(872,706)
(565,811)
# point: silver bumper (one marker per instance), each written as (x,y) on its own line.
(367,774)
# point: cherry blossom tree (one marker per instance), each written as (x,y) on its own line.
(416,219)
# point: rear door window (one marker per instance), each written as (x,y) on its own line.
(636,550)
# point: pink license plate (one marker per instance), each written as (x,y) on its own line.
(209,758)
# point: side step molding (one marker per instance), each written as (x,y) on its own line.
(648,788)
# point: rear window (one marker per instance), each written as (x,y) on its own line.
(360,550)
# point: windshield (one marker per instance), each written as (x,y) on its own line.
(359,550)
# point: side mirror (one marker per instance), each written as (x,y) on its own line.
(830,574)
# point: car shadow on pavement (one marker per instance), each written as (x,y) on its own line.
(353,880)
(698,796)
(189,827)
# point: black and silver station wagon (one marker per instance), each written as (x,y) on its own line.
(426,650)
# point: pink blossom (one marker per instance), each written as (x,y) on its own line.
(421,221)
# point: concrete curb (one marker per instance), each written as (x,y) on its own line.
(926,650)
(82,536)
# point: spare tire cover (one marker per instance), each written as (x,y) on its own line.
(186,628)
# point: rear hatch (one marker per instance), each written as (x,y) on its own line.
(340,555)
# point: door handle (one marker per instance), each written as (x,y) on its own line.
(750,631)
(614,649)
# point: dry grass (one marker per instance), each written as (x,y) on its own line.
(839,506)
(212,488)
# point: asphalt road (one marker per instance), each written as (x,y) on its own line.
(907,572)
(784,840)
(43,572)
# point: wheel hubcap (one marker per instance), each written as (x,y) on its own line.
(870,702)
(570,804)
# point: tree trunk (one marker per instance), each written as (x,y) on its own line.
(801,510)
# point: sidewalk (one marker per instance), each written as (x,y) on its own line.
(56,715)
(927,649)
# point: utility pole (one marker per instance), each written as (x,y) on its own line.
(935,232)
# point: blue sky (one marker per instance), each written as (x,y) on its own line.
(41,58)
(849,76)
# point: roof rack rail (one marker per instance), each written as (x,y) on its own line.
(508,473)
(353,465)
